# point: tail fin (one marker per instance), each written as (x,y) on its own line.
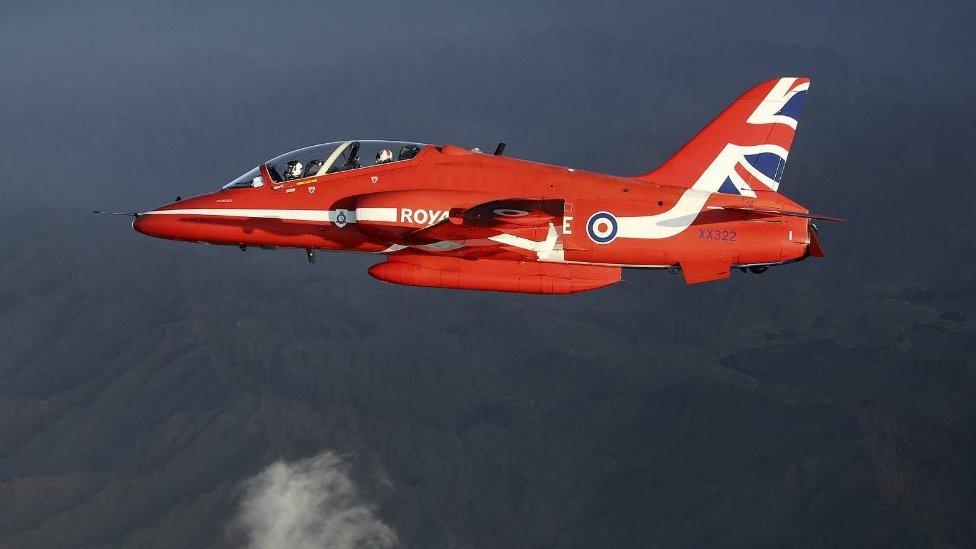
(743,151)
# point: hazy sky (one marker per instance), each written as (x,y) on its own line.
(149,378)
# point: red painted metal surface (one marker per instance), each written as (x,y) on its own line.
(450,217)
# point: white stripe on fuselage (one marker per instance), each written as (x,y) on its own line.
(691,202)
(388,215)
(352,216)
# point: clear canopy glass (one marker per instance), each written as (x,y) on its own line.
(338,156)
(251,178)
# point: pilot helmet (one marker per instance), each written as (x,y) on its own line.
(408,151)
(384,156)
(293,170)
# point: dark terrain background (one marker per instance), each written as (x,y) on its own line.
(142,381)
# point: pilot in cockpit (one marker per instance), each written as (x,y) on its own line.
(293,170)
(384,156)
(409,151)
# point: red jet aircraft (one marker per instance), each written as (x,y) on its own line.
(449,217)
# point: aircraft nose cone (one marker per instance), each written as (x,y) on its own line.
(144,224)
(139,224)
(151,225)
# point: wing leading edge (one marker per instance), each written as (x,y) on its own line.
(483,221)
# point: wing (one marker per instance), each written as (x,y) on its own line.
(485,247)
(493,218)
(515,227)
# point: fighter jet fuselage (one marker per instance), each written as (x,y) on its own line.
(446,216)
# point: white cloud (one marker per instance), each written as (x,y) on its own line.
(309,503)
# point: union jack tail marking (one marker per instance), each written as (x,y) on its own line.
(744,150)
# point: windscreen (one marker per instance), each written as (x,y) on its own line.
(251,178)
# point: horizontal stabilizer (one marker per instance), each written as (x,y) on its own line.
(771,211)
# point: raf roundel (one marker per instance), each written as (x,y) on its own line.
(602,227)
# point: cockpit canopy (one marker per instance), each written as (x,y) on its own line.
(329,158)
